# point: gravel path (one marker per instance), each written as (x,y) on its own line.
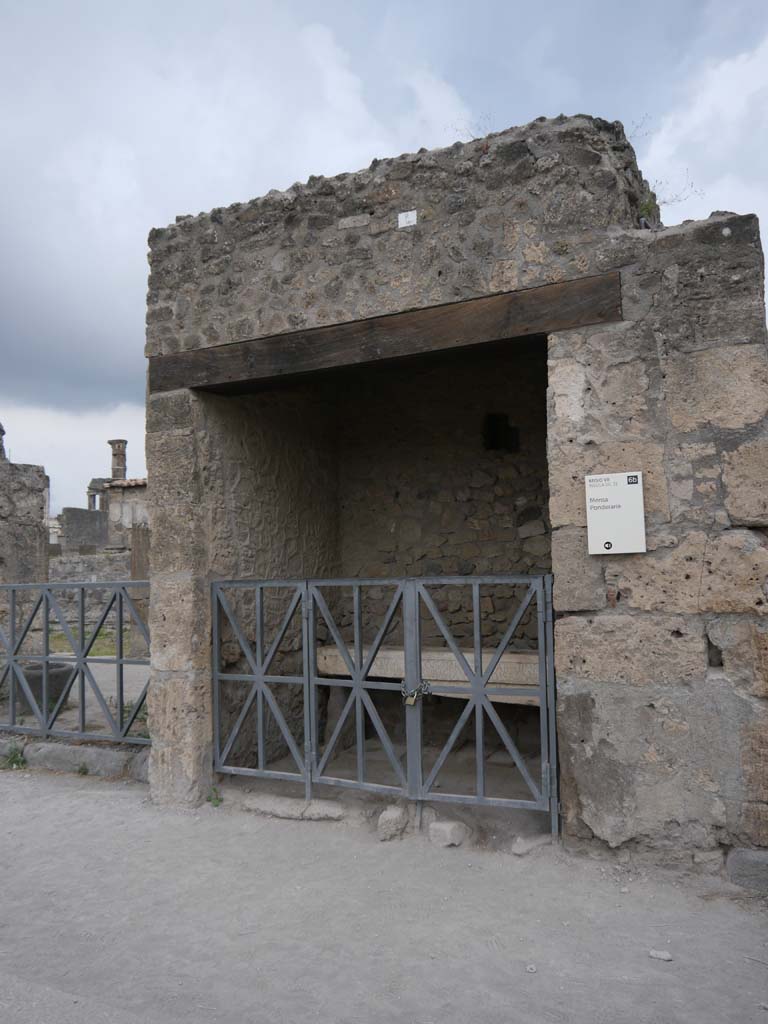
(116,912)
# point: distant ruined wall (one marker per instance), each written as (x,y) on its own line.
(83,528)
(90,567)
(140,548)
(126,508)
(92,550)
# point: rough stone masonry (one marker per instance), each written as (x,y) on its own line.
(662,658)
(23,509)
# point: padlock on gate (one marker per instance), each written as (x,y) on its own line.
(411,696)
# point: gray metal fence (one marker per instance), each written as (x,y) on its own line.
(74,660)
(307,675)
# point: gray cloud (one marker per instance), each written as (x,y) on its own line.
(118,117)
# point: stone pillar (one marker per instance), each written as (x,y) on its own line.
(179,701)
(239,487)
(661,657)
(118,447)
(23,521)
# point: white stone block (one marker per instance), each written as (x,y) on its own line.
(448,833)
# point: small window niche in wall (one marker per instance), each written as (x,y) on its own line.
(499,435)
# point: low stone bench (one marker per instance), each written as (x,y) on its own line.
(441,670)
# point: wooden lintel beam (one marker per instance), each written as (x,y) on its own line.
(552,307)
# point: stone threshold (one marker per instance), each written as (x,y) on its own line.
(103,760)
(444,826)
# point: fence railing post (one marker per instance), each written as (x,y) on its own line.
(412,684)
(307,650)
(554,797)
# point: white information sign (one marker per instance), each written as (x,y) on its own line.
(615,513)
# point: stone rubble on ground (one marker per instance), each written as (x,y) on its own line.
(392,822)
(523,845)
(448,833)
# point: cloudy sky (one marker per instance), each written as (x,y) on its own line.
(118,116)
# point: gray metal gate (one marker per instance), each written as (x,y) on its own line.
(285,651)
(74,660)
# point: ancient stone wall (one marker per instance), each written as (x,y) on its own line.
(661,657)
(442,471)
(83,528)
(662,673)
(503,212)
(422,490)
(91,550)
(23,529)
(126,507)
(140,547)
(520,208)
(88,567)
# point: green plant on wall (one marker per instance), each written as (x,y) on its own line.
(649,208)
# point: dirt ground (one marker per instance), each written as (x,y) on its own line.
(114,911)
